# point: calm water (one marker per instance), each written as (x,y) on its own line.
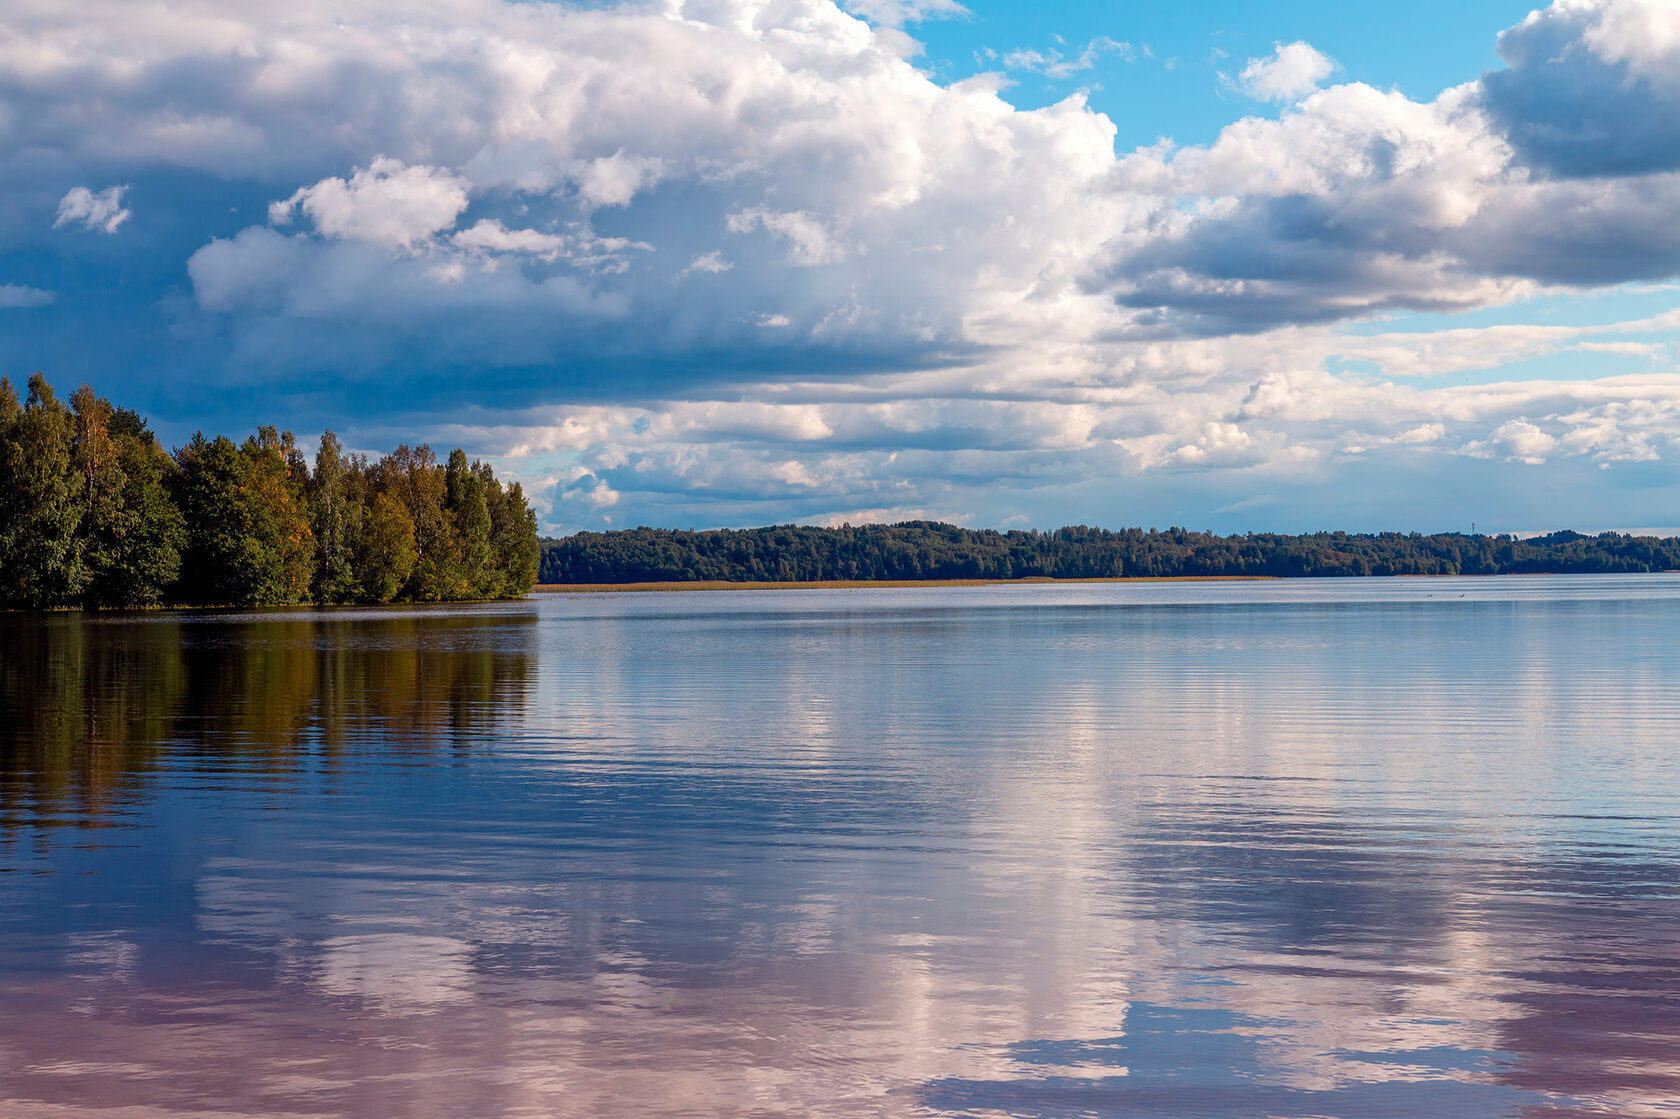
(1373,848)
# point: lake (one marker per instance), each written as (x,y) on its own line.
(1305,848)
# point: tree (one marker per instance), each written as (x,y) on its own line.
(385,551)
(470,514)
(331,513)
(280,514)
(42,554)
(411,474)
(133,533)
(221,561)
(513,537)
(248,538)
(11,416)
(145,560)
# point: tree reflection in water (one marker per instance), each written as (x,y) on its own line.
(91,706)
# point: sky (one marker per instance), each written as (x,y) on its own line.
(699,263)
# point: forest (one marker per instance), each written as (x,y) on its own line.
(930,550)
(94,513)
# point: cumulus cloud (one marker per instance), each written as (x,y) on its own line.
(1289,73)
(1517,440)
(1421,434)
(1356,202)
(713,262)
(385,202)
(773,141)
(615,179)
(1359,202)
(22,295)
(1591,89)
(99,211)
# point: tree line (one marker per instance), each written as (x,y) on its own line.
(95,513)
(918,550)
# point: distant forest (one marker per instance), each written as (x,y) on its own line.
(930,550)
(95,513)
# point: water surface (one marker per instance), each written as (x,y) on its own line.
(1352,848)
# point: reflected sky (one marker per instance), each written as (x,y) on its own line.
(1364,848)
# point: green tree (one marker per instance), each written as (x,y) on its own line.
(475,566)
(412,475)
(42,553)
(385,551)
(148,551)
(222,561)
(11,416)
(133,532)
(332,517)
(248,537)
(280,511)
(513,537)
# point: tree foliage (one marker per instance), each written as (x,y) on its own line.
(918,550)
(94,513)
(134,532)
(42,547)
(249,542)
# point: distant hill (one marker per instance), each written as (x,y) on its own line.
(926,550)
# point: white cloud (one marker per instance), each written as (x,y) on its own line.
(897,13)
(1053,64)
(1421,435)
(491,235)
(578,246)
(1218,444)
(809,242)
(1292,71)
(616,179)
(22,295)
(100,211)
(602,496)
(385,202)
(713,262)
(584,492)
(896,515)
(1518,440)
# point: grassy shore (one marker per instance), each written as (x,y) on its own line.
(869,584)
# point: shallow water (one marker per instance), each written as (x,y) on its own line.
(1352,848)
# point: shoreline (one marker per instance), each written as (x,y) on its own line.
(1032,580)
(867,584)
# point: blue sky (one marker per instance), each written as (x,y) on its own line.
(1175,90)
(729,262)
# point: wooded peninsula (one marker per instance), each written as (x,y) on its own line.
(95,513)
(927,550)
